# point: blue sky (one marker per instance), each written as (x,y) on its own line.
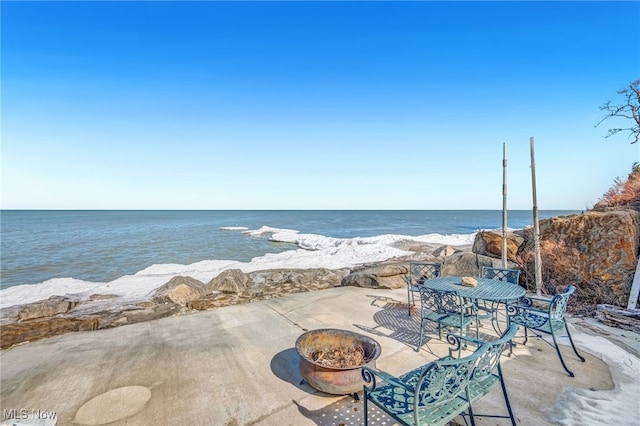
(311,105)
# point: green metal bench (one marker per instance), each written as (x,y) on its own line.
(436,393)
(488,372)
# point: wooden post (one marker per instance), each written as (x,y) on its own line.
(504,205)
(536,229)
(635,288)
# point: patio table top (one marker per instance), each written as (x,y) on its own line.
(487,289)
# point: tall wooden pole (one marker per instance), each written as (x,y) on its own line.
(536,229)
(504,205)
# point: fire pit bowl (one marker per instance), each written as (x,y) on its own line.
(331,359)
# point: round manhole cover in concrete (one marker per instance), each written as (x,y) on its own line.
(113,405)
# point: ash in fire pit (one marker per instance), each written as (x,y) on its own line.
(331,359)
(340,357)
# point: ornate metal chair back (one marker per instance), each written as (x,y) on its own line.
(445,379)
(450,302)
(489,361)
(419,272)
(429,300)
(558,306)
(446,302)
(501,274)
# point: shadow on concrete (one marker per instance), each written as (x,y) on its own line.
(393,321)
(347,411)
(286,366)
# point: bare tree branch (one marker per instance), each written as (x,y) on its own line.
(630,109)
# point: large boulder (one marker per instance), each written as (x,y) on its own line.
(443,251)
(309,279)
(468,264)
(180,290)
(489,243)
(280,282)
(603,250)
(384,275)
(231,281)
(47,308)
(394,275)
(234,287)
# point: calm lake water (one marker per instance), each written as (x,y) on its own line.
(100,246)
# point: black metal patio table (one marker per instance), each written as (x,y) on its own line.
(487,289)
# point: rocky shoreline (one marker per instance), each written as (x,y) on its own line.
(605,243)
(62,314)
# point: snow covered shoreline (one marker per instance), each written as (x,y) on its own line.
(314,251)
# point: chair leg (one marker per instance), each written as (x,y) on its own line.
(411,300)
(566,326)
(366,411)
(506,396)
(526,337)
(471,418)
(421,331)
(495,323)
(555,343)
(511,342)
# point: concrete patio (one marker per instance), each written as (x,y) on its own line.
(238,366)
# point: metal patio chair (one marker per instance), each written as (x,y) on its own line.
(418,273)
(447,309)
(501,274)
(489,310)
(549,321)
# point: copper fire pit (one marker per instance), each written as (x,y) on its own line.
(341,375)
